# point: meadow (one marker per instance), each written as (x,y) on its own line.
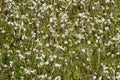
(59,39)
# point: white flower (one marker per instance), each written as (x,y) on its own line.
(65,42)
(108,53)
(3,31)
(100,78)
(6,46)
(57,78)
(34,2)
(93,8)
(118,75)
(46,63)
(21,56)
(18,51)
(60,47)
(88,59)
(101,31)
(51,19)
(11,63)
(52,57)
(106,28)
(51,30)
(47,45)
(83,50)
(89,42)
(41,64)
(81,14)
(22,78)
(94,77)
(107,1)
(5,65)
(42,76)
(27,71)
(58,65)
(79,36)
(28,53)
(118,53)
(33,71)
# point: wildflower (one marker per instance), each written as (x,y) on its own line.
(60,47)
(83,50)
(18,51)
(5,66)
(28,53)
(47,45)
(27,71)
(94,77)
(51,20)
(93,8)
(58,65)
(13,73)
(106,28)
(46,63)
(101,31)
(118,53)
(118,75)
(57,78)
(118,66)
(81,15)
(107,1)
(42,76)
(88,59)
(6,46)
(89,42)
(79,36)
(11,63)
(108,53)
(100,78)
(21,56)
(41,64)
(65,42)
(52,57)
(33,71)
(22,78)
(3,31)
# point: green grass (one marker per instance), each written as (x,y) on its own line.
(53,40)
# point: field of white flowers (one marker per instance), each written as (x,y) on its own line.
(59,39)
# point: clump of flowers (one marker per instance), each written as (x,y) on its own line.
(59,39)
